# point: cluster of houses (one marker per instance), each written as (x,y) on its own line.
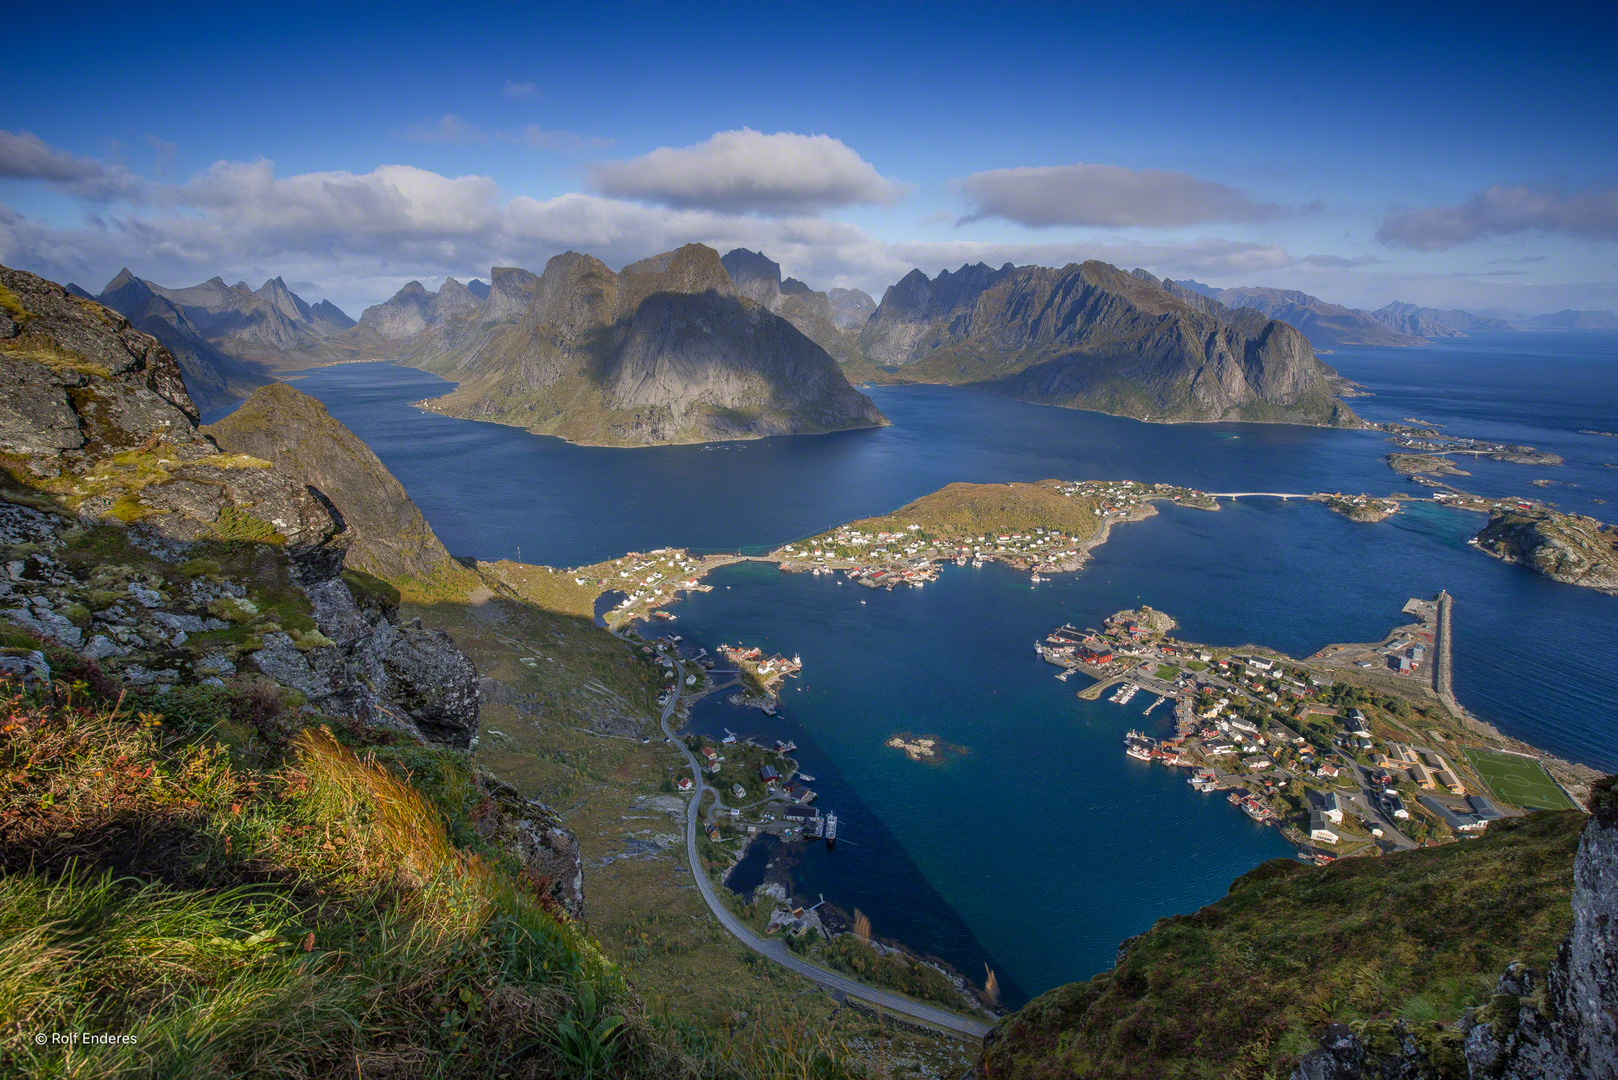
(652,578)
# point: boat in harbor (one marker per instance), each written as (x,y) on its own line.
(1124,693)
(831,829)
(1062,675)
(1138,746)
(806,778)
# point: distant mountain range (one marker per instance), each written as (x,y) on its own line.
(1329,325)
(1094,337)
(693,346)
(225,337)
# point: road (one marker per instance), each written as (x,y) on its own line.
(777,951)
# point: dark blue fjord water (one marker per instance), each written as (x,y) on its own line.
(1044,846)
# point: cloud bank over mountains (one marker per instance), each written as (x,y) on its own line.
(1501,211)
(357,236)
(1106,195)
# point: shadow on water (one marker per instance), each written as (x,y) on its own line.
(606,602)
(748,874)
(869,862)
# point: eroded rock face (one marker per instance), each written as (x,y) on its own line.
(531,830)
(1562,1025)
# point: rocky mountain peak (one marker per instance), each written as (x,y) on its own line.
(754,275)
(694,268)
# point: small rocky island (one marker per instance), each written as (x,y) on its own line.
(1361,507)
(927,749)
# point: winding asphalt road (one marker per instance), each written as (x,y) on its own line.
(775,950)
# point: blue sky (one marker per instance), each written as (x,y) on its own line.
(1456,157)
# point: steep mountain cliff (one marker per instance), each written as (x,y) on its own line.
(664,351)
(759,279)
(1326,325)
(1091,336)
(390,538)
(851,308)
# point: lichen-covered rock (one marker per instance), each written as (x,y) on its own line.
(532,832)
(1570,548)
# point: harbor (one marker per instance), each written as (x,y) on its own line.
(1357,750)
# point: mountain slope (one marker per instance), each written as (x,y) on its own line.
(391,539)
(1091,336)
(1241,987)
(1326,325)
(664,351)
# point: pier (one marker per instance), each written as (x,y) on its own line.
(1442,663)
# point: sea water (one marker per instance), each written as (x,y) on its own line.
(1044,846)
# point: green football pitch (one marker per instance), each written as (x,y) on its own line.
(1520,781)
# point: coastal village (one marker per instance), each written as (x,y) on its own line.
(1356,750)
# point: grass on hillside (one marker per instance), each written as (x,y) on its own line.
(1517,780)
(295,910)
(1242,987)
(974,509)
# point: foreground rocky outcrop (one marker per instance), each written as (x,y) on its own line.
(1562,1023)
(1569,548)
(131,538)
(1091,336)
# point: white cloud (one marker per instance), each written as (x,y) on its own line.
(750,172)
(448,128)
(1105,195)
(362,235)
(1591,214)
(521,90)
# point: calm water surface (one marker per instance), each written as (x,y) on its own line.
(1044,846)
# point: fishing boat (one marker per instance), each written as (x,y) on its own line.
(1062,675)
(831,829)
(806,778)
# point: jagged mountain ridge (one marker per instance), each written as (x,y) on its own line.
(666,350)
(225,337)
(1092,336)
(758,278)
(1438,322)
